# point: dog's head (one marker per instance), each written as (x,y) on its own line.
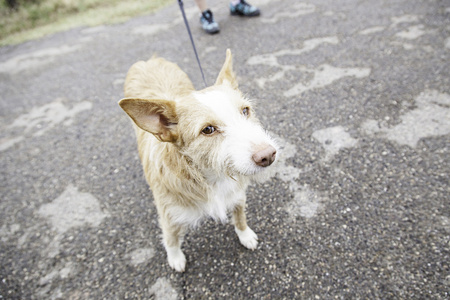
(216,129)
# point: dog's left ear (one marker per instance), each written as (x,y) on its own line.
(155,116)
(227,74)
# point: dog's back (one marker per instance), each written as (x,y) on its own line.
(156,78)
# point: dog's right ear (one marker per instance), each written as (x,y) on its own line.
(226,73)
(155,116)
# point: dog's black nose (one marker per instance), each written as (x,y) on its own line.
(265,157)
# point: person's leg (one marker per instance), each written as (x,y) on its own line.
(201,4)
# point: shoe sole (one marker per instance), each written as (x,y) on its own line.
(212,31)
(236,13)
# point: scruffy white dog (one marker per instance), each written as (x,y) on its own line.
(199,149)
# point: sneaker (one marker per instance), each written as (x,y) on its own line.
(208,23)
(244,9)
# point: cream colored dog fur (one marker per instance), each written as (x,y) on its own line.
(199,149)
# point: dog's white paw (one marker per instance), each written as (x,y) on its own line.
(248,238)
(176,258)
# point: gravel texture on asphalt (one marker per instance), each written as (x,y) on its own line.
(357,94)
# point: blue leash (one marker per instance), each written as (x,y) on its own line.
(180,2)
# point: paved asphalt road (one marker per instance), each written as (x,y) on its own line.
(357,93)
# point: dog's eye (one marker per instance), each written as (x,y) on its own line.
(246,111)
(209,130)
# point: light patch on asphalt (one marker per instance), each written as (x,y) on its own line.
(280,167)
(35,59)
(271,59)
(322,76)
(209,49)
(57,274)
(412,33)
(307,202)
(47,116)
(447,43)
(7,231)
(295,11)
(445,223)
(430,118)
(73,209)
(153,29)
(405,46)
(404,19)
(70,210)
(334,139)
(41,119)
(119,82)
(140,256)
(325,75)
(338,15)
(263,2)
(8,142)
(372,30)
(163,290)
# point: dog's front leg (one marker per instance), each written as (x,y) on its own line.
(173,238)
(247,237)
